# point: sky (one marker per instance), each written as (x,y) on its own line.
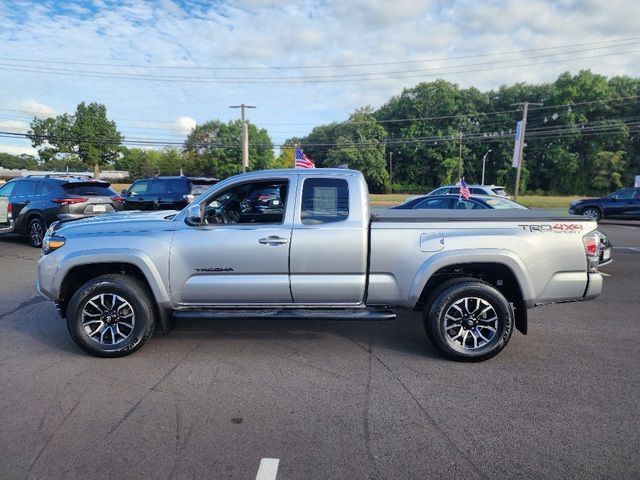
(162,67)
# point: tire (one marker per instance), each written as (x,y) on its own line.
(593,212)
(453,325)
(111,316)
(36,231)
(434,294)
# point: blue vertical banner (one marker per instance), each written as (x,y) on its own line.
(517,146)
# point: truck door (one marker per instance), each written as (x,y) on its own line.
(329,241)
(240,254)
(632,208)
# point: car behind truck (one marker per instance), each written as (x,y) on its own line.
(314,251)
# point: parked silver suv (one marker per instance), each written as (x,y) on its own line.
(495,190)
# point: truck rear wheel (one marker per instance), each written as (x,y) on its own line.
(111,316)
(469,320)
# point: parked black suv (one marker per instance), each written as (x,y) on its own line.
(165,193)
(38,201)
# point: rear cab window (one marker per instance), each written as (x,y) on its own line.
(324,200)
(501,192)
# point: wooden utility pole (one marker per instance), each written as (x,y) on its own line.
(460,158)
(390,172)
(245,136)
(525,111)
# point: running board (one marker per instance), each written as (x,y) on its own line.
(305,314)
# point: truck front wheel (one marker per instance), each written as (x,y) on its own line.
(469,320)
(111,316)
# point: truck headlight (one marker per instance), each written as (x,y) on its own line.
(51,243)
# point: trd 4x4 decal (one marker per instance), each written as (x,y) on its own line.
(555,228)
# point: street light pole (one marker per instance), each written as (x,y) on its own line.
(484,159)
(245,136)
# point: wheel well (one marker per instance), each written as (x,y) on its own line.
(497,275)
(595,207)
(81,274)
(30,216)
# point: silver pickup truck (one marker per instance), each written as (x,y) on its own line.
(303,244)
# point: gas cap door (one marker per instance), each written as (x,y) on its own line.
(431,242)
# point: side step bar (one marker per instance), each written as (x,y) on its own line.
(305,314)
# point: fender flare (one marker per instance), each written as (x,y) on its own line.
(501,256)
(115,255)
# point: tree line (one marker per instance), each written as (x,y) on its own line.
(582,139)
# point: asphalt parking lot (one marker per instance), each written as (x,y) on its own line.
(329,400)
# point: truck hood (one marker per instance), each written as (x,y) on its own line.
(119,222)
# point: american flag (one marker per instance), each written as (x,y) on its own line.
(302,161)
(464,190)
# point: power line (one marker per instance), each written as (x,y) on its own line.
(615,42)
(314,77)
(291,80)
(476,137)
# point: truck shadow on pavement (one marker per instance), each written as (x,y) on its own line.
(38,318)
(404,335)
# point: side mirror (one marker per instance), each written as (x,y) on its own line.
(123,191)
(194,214)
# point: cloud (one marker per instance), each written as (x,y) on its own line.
(36,109)
(14,126)
(18,150)
(185,124)
(235,39)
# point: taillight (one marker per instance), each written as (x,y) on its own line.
(118,199)
(9,211)
(591,244)
(69,200)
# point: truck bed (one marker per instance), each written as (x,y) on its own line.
(506,215)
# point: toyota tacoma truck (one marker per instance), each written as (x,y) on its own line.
(303,244)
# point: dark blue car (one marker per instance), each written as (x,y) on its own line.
(452,202)
(622,204)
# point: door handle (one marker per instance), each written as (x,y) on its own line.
(273,240)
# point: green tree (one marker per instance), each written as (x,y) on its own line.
(609,169)
(214,148)
(361,145)
(26,162)
(88,134)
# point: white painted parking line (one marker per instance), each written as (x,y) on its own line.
(627,227)
(268,469)
(635,249)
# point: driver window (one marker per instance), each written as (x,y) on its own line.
(624,195)
(254,202)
